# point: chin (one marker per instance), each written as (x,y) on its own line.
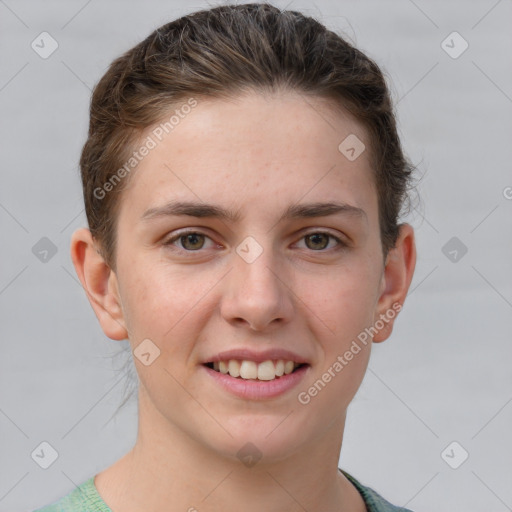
(266,440)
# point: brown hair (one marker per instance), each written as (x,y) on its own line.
(223,51)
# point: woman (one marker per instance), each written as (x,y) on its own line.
(243,179)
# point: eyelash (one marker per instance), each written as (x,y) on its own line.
(178,236)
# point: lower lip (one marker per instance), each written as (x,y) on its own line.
(251,389)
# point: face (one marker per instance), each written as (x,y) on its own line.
(277,271)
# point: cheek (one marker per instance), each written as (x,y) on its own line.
(342,301)
(162,308)
(166,305)
(342,311)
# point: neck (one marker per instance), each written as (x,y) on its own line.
(168,470)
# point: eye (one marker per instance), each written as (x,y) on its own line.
(193,241)
(319,240)
(190,240)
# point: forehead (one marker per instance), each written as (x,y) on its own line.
(252,149)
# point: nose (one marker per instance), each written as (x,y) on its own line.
(255,294)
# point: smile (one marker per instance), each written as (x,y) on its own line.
(245,369)
(252,388)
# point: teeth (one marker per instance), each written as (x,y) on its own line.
(267,370)
(279,368)
(288,367)
(234,368)
(248,369)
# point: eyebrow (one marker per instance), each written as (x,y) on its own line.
(204,210)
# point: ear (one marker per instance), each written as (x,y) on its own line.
(100,284)
(396,279)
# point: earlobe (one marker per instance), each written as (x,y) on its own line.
(100,284)
(397,278)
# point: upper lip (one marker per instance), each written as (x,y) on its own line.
(242,354)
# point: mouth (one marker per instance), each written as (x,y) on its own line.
(250,370)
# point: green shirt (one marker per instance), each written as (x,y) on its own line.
(85,498)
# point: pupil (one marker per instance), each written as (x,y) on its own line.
(193,238)
(315,238)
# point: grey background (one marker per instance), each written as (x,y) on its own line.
(443,376)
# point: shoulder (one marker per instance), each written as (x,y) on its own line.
(374,502)
(84,498)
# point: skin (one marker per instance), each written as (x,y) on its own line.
(256,154)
